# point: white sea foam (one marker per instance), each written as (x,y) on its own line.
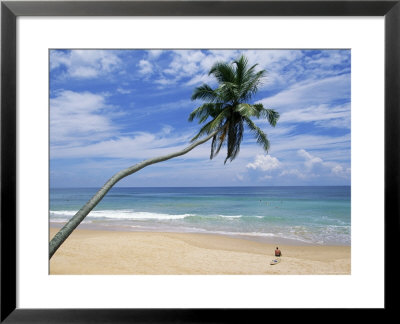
(244,233)
(59,220)
(212,224)
(230,217)
(61,213)
(120,214)
(64,220)
(134,215)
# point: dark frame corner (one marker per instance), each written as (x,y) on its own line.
(10,10)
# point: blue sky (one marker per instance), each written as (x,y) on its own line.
(110,109)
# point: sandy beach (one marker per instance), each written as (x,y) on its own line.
(112,252)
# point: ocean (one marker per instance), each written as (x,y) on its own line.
(298,215)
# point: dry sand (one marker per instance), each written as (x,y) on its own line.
(111,252)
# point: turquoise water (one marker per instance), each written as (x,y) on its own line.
(315,215)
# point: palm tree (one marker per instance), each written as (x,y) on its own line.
(228,111)
(228,108)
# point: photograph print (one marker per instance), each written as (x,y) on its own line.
(200,161)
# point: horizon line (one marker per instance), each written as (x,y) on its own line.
(205,186)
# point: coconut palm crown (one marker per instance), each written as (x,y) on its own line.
(228,108)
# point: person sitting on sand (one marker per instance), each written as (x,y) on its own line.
(278,252)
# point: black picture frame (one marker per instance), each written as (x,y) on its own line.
(10,10)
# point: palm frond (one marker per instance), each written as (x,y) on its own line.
(204,111)
(222,137)
(241,66)
(235,136)
(260,136)
(245,109)
(205,92)
(251,86)
(271,115)
(250,73)
(228,91)
(212,125)
(223,72)
(218,140)
(206,129)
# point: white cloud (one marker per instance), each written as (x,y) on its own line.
(155,54)
(309,169)
(123,91)
(281,144)
(337,169)
(192,66)
(164,82)
(310,160)
(294,172)
(322,115)
(85,64)
(183,64)
(200,79)
(79,117)
(314,163)
(59,58)
(264,163)
(145,67)
(328,59)
(310,93)
(140,145)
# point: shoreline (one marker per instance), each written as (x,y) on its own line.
(262,239)
(89,251)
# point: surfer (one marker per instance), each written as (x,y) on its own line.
(278,252)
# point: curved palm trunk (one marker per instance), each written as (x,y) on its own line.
(68,228)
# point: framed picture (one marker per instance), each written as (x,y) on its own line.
(339,44)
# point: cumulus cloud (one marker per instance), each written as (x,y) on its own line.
(314,163)
(85,64)
(264,163)
(307,170)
